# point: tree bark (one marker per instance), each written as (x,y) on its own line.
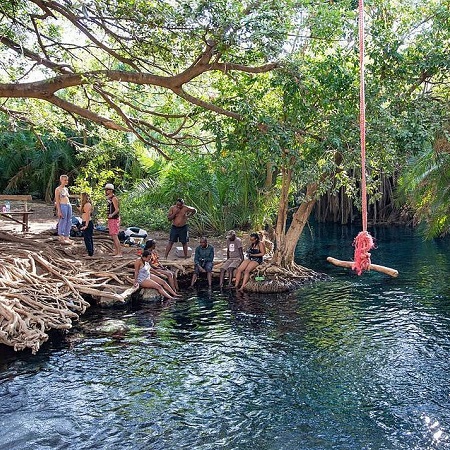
(286,240)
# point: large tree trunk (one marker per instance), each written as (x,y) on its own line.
(286,240)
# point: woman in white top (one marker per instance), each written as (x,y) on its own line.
(63,210)
(145,279)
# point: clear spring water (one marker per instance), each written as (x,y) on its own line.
(352,363)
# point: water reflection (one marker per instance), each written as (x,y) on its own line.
(355,363)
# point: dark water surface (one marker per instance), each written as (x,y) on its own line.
(353,363)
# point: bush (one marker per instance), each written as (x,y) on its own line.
(136,213)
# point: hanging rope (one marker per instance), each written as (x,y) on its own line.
(363,243)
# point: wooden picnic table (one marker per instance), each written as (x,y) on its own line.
(20,216)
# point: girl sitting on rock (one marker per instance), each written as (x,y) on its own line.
(147,280)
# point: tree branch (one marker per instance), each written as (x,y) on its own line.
(87,114)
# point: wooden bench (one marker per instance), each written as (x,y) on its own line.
(18,215)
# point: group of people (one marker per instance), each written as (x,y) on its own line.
(235,261)
(148,270)
(64,213)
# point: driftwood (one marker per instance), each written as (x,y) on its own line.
(349,264)
(43,284)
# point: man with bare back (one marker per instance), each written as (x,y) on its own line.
(178,215)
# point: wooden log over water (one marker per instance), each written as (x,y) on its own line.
(349,265)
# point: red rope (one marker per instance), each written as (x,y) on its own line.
(363,242)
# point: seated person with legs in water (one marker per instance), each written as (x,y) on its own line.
(203,261)
(255,256)
(158,268)
(144,279)
(235,256)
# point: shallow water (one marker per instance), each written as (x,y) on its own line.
(353,363)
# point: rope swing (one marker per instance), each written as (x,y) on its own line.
(363,242)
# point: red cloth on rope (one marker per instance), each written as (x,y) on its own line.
(363,243)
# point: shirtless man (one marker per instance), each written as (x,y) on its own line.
(178,215)
(63,210)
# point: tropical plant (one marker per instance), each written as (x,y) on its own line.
(32,162)
(425,186)
(225,189)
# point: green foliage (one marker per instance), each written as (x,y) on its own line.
(303,116)
(32,163)
(425,185)
(223,187)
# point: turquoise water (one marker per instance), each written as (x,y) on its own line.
(353,363)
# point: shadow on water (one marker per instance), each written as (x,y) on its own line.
(353,363)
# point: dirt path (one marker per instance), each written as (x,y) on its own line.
(44,221)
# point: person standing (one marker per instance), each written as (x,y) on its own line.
(87,225)
(113,218)
(235,256)
(63,210)
(178,215)
(203,260)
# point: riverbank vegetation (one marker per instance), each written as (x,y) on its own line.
(248,111)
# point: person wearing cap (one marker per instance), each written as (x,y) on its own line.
(178,215)
(235,255)
(113,218)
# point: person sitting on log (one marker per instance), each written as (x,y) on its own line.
(235,256)
(158,268)
(203,260)
(146,280)
(255,255)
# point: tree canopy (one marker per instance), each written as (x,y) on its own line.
(135,65)
(272,85)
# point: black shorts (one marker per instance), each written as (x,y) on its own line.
(179,234)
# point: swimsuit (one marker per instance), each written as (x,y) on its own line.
(144,273)
(251,251)
(64,192)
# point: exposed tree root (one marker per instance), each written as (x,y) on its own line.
(272,278)
(42,286)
